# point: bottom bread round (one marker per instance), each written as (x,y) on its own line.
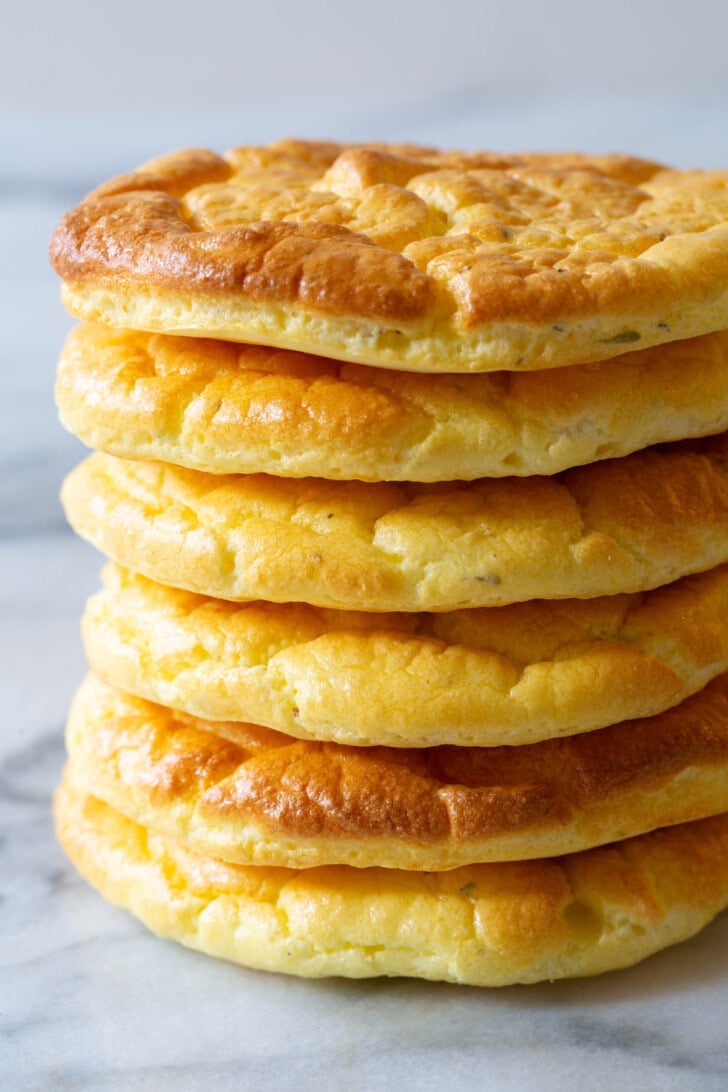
(482,925)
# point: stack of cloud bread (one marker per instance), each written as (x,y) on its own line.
(412,654)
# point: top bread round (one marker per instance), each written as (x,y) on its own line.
(404,257)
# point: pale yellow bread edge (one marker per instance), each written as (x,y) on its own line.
(496,346)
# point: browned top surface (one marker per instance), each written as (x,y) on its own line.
(307,789)
(407,236)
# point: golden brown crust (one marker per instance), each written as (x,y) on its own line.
(622,525)
(252,796)
(498,675)
(486,925)
(242,409)
(404,257)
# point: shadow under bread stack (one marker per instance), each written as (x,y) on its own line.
(397,672)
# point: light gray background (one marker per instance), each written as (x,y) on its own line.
(89,1000)
(216,54)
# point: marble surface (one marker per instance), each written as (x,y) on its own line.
(88,999)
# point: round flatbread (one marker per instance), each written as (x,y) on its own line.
(485,925)
(623,525)
(498,675)
(404,257)
(248,795)
(245,409)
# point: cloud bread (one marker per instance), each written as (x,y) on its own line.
(622,525)
(498,675)
(484,925)
(241,409)
(404,257)
(252,796)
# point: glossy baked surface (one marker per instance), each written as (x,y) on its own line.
(622,525)
(241,409)
(497,675)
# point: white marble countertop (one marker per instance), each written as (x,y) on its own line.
(88,998)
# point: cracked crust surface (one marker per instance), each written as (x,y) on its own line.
(622,525)
(483,925)
(494,676)
(244,409)
(248,795)
(404,257)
